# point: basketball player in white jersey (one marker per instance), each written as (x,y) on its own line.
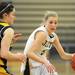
(39,42)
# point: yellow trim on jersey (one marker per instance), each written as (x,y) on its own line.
(4,24)
(1,62)
(2,70)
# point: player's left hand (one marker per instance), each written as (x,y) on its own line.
(17,36)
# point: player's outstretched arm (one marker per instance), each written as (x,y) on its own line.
(64,55)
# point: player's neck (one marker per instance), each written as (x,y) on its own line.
(48,31)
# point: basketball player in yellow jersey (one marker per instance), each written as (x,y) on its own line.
(7,17)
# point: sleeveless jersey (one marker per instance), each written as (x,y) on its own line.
(3,62)
(45,46)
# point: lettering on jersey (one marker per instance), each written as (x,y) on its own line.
(47,44)
(42,52)
(51,36)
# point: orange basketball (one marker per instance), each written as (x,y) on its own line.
(73,62)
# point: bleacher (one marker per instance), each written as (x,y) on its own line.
(30,14)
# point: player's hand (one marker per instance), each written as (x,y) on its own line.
(17,36)
(49,67)
(21,57)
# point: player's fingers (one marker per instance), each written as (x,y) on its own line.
(51,68)
(17,35)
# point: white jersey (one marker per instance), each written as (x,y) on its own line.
(45,46)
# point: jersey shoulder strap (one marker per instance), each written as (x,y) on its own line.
(3,29)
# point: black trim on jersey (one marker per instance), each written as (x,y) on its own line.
(51,36)
(37,32)
(4,66)
(4,28)
(27,68)
(43,52)
(4,61)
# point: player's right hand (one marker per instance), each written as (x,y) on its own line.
(49,67)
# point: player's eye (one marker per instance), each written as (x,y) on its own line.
(51,22)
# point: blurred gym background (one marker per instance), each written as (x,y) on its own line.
(29,14)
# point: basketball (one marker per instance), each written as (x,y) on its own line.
(73,62)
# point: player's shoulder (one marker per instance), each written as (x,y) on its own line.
(40,30)
(39,33)
(9,31)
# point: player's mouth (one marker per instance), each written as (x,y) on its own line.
(53,28)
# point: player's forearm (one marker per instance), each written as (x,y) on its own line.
(67,56)
(34,57)
(9,56)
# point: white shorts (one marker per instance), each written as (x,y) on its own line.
(41,70)
(22,67)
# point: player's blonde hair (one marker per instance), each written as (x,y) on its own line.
(50,14)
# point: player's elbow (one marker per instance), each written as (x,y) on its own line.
(4,55)
(64,57)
